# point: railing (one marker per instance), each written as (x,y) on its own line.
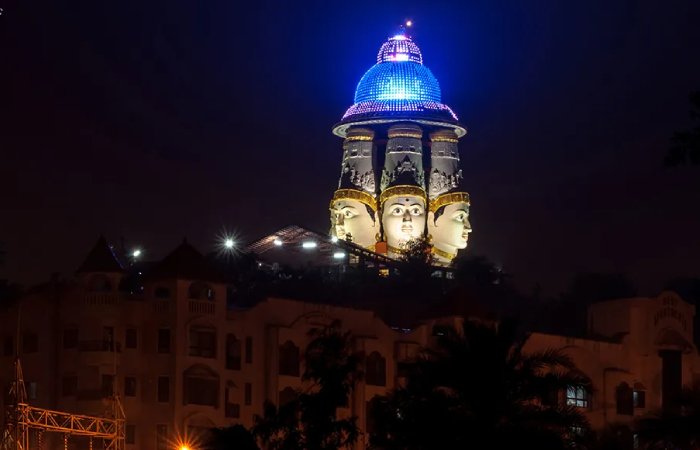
(99,345)
(232,410)
(202,307)
(48,420)
(103,299)
(161,306)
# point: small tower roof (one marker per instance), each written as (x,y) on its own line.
(101,259)
(185,262)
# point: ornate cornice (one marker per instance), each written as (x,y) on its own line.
(354,194)
(448,199)
(400,191)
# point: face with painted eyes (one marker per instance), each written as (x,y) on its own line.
(449,226)
(403,219)
(353,219)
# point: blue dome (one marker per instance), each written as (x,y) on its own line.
(399,84)
(404,80)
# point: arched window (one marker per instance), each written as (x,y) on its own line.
(201,291)
(201,386)
(233,352)
(99,283)
(161,292)
(289,359)
(287,395)
(375,372)
(624,399)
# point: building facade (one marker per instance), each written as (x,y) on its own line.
(182,362)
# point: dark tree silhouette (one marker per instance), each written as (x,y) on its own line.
(478,389)
(685,145)
(309,421)
(673,428)
(567,314)
(235,437)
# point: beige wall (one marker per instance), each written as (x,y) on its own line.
(624,351)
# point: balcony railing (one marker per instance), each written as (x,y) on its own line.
(161,306)
(103,299)
(202,307)
(99,345)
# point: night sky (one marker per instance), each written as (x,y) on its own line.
(159,120)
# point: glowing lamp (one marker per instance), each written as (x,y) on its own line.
(339,255)
(277,242)
(228,243)
(136,253)
(409,23)
(334,239)
(309,244)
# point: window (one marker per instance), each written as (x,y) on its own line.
(161,292)
(201,386)
(69,385)
(30,342)
(8,346)
(201,291)
(248,392)
(107,385)
(289,359)
(162,437)
(440,330)
(32,390)
(203,342)
(108,338)
(376,370)
(577,396)
(129,386)
(131,338)
(130,437)
(232,410)
(248,350)
(163,389)
(99,283)
(624,399)
(233,352)
(639,398)
(164,340)
(70,338)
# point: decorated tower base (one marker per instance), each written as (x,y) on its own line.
(398,112)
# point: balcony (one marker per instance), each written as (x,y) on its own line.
(99,345)
(201,307)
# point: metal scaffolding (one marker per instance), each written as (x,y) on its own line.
(21,418)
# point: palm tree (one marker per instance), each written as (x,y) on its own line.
(477,388)
(309,421)
(673,428)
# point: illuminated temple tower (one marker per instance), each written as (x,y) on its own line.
(391,190)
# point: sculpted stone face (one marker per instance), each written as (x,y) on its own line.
(449,226)
(403,219)
(351,218)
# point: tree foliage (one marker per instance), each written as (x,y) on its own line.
(685,145)
(673,428)
(309,421)
(478,389)
(235,437)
